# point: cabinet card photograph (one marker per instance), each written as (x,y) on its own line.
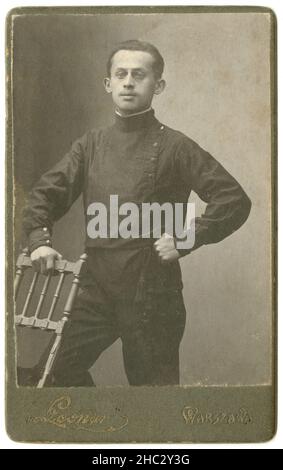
(141,240)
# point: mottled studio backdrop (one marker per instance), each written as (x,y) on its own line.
(218,93)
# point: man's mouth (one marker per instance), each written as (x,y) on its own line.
(128,94)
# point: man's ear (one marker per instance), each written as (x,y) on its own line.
(107,85)
(159,86)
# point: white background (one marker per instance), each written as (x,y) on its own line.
(5,442)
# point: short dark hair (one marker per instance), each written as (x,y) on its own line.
(136,45)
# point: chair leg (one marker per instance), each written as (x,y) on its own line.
(50,361)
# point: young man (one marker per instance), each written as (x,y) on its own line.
(133,286)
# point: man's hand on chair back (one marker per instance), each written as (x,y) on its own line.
(43,259)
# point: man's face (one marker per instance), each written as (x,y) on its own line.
(132,82)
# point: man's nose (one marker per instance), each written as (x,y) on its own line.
(129,81)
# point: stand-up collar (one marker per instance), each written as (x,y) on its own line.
(135,121)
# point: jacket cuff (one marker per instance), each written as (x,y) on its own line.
(39,237)
(199,241)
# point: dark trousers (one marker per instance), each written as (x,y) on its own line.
(150,337)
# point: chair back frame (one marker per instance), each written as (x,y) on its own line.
(62,269)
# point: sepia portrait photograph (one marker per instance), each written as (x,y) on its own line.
(141,236)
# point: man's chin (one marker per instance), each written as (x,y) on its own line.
(130,109)
(128,106)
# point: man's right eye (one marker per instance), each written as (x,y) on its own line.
(120,74)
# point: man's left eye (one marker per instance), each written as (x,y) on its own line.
(139,75)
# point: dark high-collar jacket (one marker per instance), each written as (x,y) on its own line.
(140,160)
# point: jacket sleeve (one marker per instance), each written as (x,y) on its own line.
(228,206)
(54,194)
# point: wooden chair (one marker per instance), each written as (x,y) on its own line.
(29,319)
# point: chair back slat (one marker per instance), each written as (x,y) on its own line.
(18,280)
(56,296)
(20,271)
(30,294)
(71,298)
(42,296)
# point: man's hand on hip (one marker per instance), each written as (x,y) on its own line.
(166,249)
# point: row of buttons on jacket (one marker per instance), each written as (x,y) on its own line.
(154,158)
